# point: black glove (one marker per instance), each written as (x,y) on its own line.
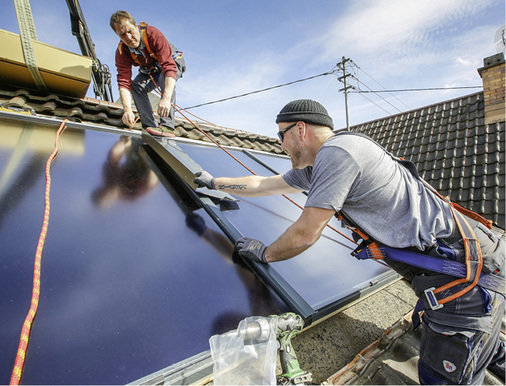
(204,179)
(251,249)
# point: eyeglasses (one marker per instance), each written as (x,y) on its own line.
(281,133)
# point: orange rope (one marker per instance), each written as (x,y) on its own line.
(468,277)
(27,325)
(196,116)
(136,119)
(178,109)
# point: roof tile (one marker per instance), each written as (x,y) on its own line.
(454,151)
(89,110)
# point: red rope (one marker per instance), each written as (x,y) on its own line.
(136,119)
(242,164)
(251,171)
(196,116)
(27,325)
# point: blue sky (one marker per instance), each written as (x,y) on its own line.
(237,46)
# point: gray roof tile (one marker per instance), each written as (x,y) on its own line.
(99,112)
(454,151)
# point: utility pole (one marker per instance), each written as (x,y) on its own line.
(343,78)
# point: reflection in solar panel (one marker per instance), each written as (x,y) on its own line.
(133,277)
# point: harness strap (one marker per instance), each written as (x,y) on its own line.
(469,273)
(473,256)
(134,57)
(372,248)
(434,264)
(145,40)
(473,259)
(175,53)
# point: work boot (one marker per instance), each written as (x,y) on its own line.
(160,131)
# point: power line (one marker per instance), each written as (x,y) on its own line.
(354,67)
(416,89)
(372,91)
(334,71)
(258,91)
(370,100)
(359,90)
(383,87)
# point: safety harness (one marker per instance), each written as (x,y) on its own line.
(468,274)
(154,66)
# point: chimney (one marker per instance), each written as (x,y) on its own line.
(492,74)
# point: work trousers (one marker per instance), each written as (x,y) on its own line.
(458,355)
(142,85)
(460,340)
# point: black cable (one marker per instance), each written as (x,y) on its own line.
(375,92)
(416,89)
(374,80)
(258,91)
(333,71)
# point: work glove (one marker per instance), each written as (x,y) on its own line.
(204,179)
(251,249)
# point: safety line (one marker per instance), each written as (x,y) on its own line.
(135,121)
(27,325)
(235,158)
(200,118)
(212,140)
(251,171)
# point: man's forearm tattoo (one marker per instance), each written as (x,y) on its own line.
(233,187)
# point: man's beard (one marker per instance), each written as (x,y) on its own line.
(296,157)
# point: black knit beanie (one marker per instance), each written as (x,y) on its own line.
(305,110)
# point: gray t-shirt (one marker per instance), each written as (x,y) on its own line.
(376,192)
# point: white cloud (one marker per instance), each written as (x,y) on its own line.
(387,27)
(228,80)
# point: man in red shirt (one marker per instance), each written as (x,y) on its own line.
(156,65)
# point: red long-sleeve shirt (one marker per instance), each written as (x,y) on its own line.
(160,47)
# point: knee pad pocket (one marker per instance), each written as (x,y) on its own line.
(448,357)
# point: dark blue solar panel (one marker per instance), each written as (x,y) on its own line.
(132,279)
(279,164)
(324,273)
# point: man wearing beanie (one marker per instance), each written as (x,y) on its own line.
(384,197)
